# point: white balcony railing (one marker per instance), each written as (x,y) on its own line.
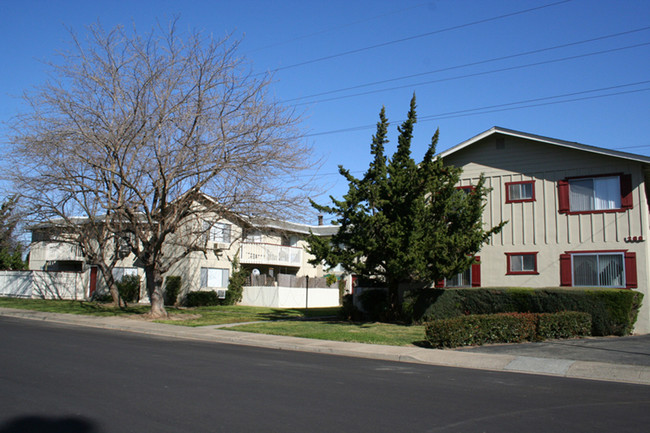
(270,254)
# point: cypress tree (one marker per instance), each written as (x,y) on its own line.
(404,223)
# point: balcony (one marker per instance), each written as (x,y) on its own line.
(270,254)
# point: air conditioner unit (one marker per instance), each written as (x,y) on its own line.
(221,293)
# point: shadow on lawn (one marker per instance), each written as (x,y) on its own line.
(100,308)
(301,314)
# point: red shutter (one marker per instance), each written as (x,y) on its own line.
(476,273)
(626,191)
(565,270)
(563,196)
(630,270)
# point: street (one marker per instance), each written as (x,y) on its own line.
(57,378)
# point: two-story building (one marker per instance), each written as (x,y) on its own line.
(272,251)
(577,215)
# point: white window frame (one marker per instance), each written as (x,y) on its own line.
(216,278)
(254,237)
(622,276)
(605,197)
(220,233)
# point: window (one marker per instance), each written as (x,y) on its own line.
(521,263)
(469,278)
(214,277)
(518,192)
(255,237)
(467,189)
(119,273)
(598,269)
(608,193)
(220,232)
(464,279)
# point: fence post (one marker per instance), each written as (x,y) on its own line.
(307,292)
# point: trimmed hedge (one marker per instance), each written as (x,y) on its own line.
(506,328)
(201,299)
(172,289)
(613,311)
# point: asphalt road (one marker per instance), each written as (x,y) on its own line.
(57,378)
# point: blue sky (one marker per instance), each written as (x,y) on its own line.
(461,55)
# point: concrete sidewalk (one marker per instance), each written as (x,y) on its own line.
(510,358)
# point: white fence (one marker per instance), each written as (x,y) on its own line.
(289,297)
(42,284)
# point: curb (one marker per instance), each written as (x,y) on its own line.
(447,358)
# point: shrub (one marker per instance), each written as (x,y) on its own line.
(505,328)
(102,298)
(172,289)
(236,282)
(566,324)
(348,311)
(341,286)
(201,299)
(374,303)
(613,311)
(129,288)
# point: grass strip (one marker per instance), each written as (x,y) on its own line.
(372,333)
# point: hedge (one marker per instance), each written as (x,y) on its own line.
(506,328)
(172,289)
(613,311)
(201,299)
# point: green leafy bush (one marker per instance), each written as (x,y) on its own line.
(348,311)
(566,324)
(236,282)
(613,311)
(201,299)
(505,328)
(172,289)
(374,304)
(129,288)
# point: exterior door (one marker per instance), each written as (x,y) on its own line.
(93,281)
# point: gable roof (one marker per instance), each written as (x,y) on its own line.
(554,141)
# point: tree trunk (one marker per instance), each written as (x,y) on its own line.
(155,292)
(393,300)
(110,283)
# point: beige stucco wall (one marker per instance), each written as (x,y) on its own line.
(538,226)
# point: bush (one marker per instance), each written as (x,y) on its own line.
(374,304)
(348,311)
(613,311)
(172,289)
(103,298)
(201,299)
(566,324)
(236,282)
(505,328)
(129,288)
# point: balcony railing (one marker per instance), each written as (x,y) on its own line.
(270,254)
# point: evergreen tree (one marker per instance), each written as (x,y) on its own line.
(402,222)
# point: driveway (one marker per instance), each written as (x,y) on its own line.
(632,350)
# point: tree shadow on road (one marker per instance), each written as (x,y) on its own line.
(43,424)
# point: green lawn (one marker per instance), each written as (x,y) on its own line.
(280,321)
(200,316)
(204,316)
(71,307)
(374,333)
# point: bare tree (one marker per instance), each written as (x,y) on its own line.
(153,133)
